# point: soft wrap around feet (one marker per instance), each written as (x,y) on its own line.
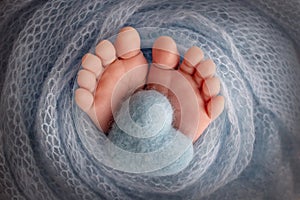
(50,149)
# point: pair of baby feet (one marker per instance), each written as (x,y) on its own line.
(117,71)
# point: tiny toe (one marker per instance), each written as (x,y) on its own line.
(86,80)
(84,99)
(211,87)
(92,63)
(128,43)
(105,50)
(165,53)
(191,59)
(205,69)
(215,107)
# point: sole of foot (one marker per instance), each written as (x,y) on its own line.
(191,86)
(113,73)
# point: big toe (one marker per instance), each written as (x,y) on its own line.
(127,43)
(164,53)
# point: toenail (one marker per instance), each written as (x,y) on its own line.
(127,43)
(92,63)
(126,28)
(211,87)
(167,44)
(106,52)
(205,69)
(164,53)
(87,80)
(84,99)
(215,107)
(193,56)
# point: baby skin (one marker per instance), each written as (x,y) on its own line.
(118,70)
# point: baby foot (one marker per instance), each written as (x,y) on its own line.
(114,73)
(192,90)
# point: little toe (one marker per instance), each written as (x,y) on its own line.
(86,80)
(164,53)
(92,63)
(127,43)
(105,50)
(191,59)
(215,107)
(84,99)
(205,69)
(211,87)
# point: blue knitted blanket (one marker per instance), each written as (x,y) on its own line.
(49,148)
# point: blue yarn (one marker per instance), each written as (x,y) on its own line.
(148,109)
